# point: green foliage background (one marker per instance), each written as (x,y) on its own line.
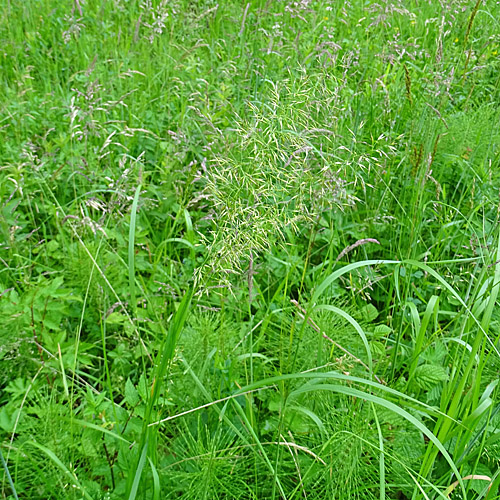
(249,250)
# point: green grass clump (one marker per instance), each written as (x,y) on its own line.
(249,250)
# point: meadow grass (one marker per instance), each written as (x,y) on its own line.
(249,250)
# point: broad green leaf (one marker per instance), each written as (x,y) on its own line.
(427,376)
(131,394)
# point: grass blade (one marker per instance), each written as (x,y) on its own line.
(71,476)
(131,249)
(340,272)
(7,473)
(382,454)
(356,326)
(156,481)
(138,472)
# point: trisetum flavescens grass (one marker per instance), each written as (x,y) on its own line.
(249,250)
